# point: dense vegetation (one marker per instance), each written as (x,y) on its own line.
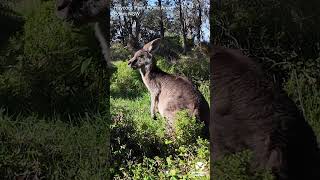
(50,67)
(283,36)
(139,146)
(54,119)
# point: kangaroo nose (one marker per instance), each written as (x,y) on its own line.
(132,62)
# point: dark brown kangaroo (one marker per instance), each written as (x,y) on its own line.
(169,93)
(249,113)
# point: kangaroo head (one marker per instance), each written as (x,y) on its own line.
(143,57)
(81,11)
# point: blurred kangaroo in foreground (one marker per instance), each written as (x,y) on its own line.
(169,93)
(250,112)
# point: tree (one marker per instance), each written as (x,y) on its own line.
(161,19)
(183,26)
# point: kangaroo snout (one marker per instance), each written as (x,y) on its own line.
(132,63)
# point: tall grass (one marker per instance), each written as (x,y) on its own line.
(305,91)
(53,149)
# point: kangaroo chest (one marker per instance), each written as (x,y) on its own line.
(151,83)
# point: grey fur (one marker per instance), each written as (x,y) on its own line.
(169,93)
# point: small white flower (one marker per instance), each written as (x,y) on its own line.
(199,165)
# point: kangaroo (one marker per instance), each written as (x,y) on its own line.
(249,112)
(169,93)
(80,12)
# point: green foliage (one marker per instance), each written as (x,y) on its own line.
(126,82)
(273,31)
(186,128)
(170,48)
(51,67)
(237,166)
(284,36)
(305,91)
(139,147)
(53,149)
(10,21)
(194,65)
(204,88)
(119,52)
(134,133)
(188,162)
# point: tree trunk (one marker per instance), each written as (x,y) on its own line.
(199,21)
(219,4)
(161,19)
(182,22)
(211,21)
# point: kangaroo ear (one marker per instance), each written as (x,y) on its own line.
(152,46)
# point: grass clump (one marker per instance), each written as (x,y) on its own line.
(237,166)
(126,82)
(187,128)
(53,149)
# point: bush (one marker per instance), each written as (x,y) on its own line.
(119,52)
(10,21)
(51,68)
(187,128)
(134,133)
(187,162)
(194,65)
(237,166)
(302,88)
(126,82)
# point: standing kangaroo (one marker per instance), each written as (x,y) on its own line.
(250,112)
(169,93)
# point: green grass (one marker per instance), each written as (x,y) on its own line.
(56,149)
(140,148)
(53,149)
(306,94)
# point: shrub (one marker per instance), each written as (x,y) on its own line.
(10,21)
(237,166)
(187,128)
(51,68)
(188,162)
(302,88)
(194,65)
(126,82)
(119,52)
(204,88)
